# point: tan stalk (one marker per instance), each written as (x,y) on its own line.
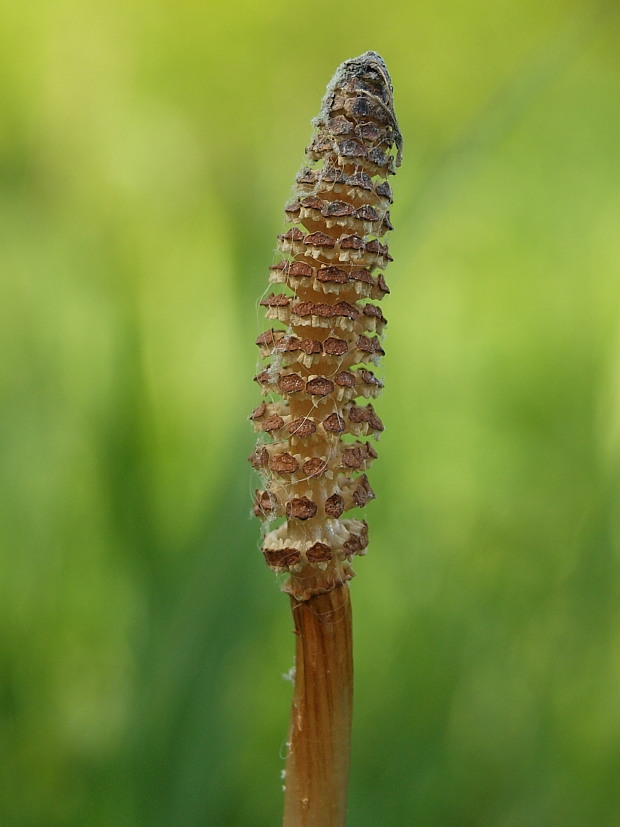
(313,449)
(317,766)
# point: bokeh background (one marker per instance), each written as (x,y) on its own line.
(146,151)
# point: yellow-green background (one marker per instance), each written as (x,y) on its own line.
(146,151)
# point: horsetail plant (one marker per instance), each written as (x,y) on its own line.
(313,449)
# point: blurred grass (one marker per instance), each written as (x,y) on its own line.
(146,151)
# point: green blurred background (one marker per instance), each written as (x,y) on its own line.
(146,151)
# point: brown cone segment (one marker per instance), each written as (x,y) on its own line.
(314,424)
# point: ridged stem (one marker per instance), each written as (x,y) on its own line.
(317,766)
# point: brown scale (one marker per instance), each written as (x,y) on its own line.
(313,450)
